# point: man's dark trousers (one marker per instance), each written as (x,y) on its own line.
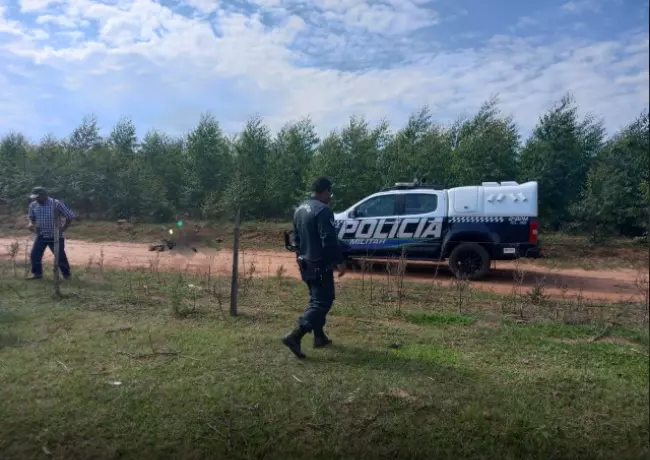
(38,250)
(321,298)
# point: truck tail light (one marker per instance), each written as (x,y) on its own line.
(533,231)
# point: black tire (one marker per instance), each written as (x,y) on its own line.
(469,261)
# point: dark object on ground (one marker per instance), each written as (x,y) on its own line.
(166,244)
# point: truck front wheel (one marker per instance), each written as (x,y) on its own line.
(469,261)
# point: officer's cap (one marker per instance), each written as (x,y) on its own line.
(321,184)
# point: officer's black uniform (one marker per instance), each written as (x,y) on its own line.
(318,251)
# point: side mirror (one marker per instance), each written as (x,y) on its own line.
(353,214)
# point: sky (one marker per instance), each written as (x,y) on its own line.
(162,64)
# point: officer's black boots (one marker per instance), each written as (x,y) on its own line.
(292,341)
(321,339)
(294,338)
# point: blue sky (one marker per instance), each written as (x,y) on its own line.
(164,63)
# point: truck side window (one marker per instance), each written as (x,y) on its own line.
(420,203)
(380,206)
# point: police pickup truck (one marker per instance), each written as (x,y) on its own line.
(468,226)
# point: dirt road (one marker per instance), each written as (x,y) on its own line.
(610,285)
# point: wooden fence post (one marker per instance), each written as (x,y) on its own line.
(235,265)
(57,223)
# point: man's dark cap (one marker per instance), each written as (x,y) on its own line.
(36,192)
(321,184)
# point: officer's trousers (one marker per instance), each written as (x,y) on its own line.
(321,298)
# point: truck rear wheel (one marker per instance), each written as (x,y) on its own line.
(469,261)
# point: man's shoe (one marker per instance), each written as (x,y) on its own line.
(322,341)
(292,341)
(67,277)
(34,277)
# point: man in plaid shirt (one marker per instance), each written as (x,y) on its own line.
(41,222)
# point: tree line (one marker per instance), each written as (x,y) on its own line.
(587,181)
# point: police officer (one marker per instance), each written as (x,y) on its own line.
(318,252)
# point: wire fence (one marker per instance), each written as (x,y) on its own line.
(518,289)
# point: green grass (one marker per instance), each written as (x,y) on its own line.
(419,377)
(439,318)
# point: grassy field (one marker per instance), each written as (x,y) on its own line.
(560,250)
(566,251)
(145,364)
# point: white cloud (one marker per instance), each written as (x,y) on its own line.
(268,3)
(142,53)
(59,20)
(14,28)
(640,78)
(28,6)
(525,22)
(392,17)
(581,6)
(206,6)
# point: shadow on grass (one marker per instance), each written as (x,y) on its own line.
(410,360)
(8,317)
